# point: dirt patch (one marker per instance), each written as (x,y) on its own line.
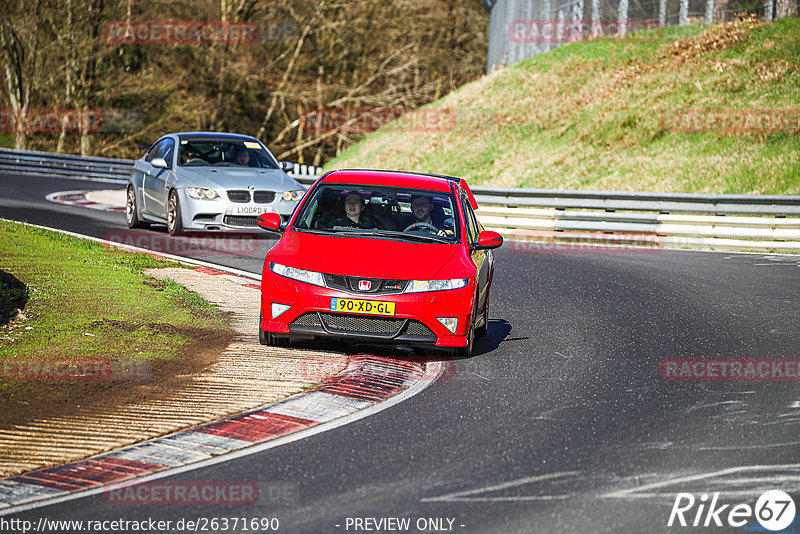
(219,374)
(129,383)
(715,38)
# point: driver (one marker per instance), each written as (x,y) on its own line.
(421,207)
(243,157)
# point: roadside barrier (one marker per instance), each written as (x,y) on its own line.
(764,223)
(69,166)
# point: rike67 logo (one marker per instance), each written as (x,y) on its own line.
(774,510)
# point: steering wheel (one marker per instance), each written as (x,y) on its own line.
(426,226)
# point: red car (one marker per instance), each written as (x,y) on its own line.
(380,256)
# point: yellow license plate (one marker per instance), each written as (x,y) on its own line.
(372,307)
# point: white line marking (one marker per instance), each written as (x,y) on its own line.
(462,496)
(642,491)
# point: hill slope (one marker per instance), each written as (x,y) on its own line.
(694,109)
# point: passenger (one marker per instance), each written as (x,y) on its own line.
(355,214)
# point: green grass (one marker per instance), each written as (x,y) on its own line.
(88,301)
(606,114)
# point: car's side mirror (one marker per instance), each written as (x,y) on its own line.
(287,166)
(488,240)
(270,222)
(159,163)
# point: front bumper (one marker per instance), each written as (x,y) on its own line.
(219,214)
(414,323)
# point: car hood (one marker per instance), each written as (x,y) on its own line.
(371,257)
(223,178)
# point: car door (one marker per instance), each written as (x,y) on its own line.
(142,168)
(156,180)
(481,258)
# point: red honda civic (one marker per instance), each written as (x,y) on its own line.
(379,257)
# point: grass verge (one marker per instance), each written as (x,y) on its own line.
(695,109)
(83,302)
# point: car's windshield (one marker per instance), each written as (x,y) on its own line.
(381,212)
(224,152)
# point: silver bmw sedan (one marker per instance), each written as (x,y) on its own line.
(209,181)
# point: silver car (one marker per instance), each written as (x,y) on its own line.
(209,181)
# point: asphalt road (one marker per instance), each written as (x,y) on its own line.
(560,423)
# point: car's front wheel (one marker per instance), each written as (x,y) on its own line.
(132,211)
(268,338)
(466,352)
(174,222)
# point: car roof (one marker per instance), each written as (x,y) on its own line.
(415,180)
(215,135)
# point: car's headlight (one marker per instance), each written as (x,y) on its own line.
(421,286)
(201,192)
(293,195)
(309,277)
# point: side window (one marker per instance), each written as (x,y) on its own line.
(155,149)
(166,151)
(474,219)
(469,220)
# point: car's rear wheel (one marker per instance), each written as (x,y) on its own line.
(174,223)
(132,211)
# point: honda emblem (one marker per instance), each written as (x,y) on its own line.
(364,285)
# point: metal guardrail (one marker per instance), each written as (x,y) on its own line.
(64,165)
(767,223)
(69,166)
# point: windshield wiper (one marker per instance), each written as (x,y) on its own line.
(322,231)
(404,235)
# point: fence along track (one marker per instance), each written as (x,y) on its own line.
(765,223)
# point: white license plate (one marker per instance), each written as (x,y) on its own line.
(251,210)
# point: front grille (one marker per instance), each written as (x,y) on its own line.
(416,328)
(240,220)
(239,196)
(364,325)
(263,197)
(307,319)
(378,286)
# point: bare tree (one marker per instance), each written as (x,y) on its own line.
(20,47)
